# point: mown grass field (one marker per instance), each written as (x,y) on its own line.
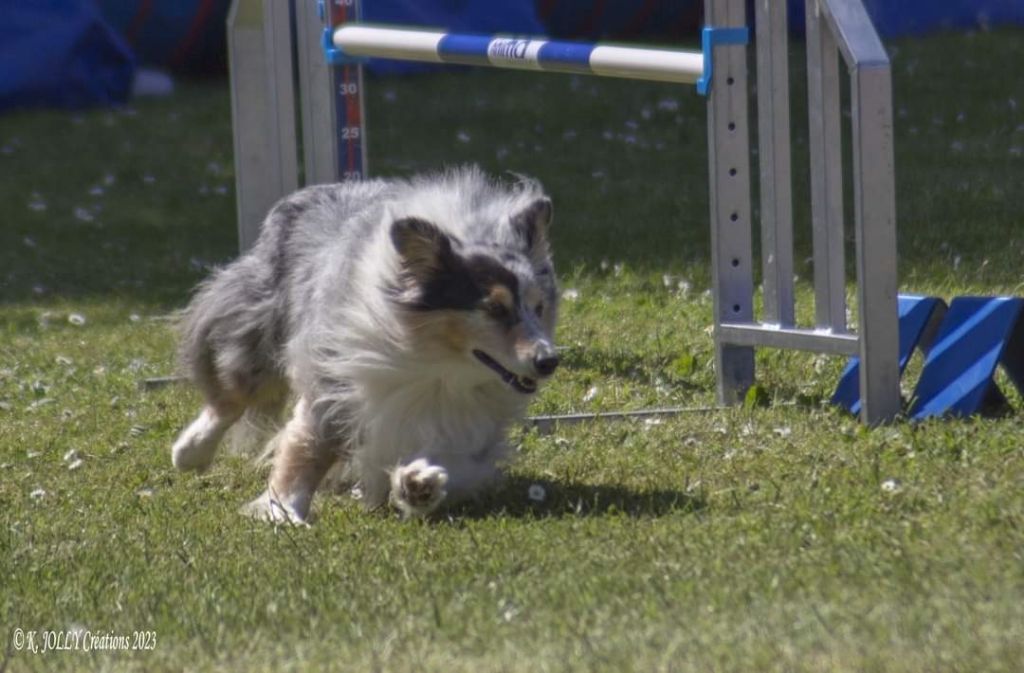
(776,537)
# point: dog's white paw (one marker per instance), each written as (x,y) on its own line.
(418,488)
(270,509)
(197,444)
(193,451)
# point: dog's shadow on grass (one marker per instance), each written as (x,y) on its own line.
(523,497)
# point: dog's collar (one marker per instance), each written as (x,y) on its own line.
(521,384)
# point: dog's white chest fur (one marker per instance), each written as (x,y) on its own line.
(436,420)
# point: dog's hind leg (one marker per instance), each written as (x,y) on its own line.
(233,372)
(227,398)
(197,444)
(301,460)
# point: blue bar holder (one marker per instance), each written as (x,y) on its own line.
(919,321)
(963,344)
(710,37)
(977,335)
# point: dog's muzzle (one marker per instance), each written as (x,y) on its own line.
(520,384)
(545,361)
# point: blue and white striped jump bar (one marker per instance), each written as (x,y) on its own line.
(661,65)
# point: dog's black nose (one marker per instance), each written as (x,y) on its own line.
(546,364)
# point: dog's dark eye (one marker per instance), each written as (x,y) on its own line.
(498,311)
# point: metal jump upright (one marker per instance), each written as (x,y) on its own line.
(332,44)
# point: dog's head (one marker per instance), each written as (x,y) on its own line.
(491,302)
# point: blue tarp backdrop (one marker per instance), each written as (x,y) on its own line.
(184,36)
(60,53)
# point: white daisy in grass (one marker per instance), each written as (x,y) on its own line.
(892,486)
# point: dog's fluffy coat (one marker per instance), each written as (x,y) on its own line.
(410,321)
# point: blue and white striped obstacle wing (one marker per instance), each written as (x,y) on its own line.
(977,335)
(662,65)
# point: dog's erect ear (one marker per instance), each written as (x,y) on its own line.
(531,224)
(425,250)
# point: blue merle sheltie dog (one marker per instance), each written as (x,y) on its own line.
(404,323)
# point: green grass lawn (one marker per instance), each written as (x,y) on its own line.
(783,537)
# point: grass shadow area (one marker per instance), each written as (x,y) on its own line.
(523,497)
(134,203)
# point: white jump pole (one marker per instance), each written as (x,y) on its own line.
(660,65)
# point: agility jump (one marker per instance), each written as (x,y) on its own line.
(333,44)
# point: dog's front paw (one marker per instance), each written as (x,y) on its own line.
(272,510)
(418,488)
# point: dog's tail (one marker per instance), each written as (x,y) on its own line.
(196,352)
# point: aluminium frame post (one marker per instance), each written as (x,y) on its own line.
(874,205)
(262,110)
(347,112)
(773,140)
(332,96)
(316,96)
(874,202)
(729,182)
(825,143)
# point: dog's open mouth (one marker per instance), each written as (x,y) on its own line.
(521,384)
